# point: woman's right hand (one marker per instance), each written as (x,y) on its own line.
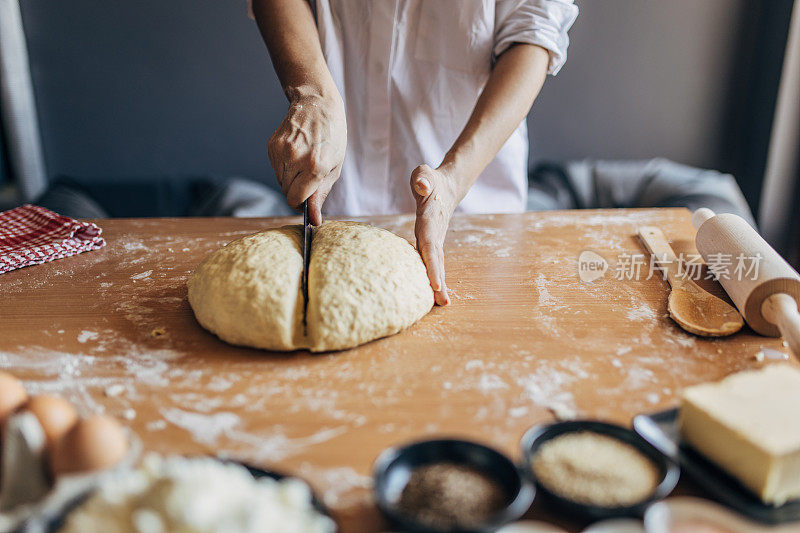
(307,149)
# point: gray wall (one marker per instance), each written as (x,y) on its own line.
(151,87)
(642,79)
(158,87)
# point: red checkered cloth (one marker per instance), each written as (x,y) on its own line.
(32,235)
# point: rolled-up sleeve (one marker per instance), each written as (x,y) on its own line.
(541,22)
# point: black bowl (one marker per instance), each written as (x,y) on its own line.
(393,468)
(277,476)
(669,472)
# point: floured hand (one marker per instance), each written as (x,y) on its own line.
(307,150)
(435,193)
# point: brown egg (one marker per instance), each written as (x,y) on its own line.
(12,395)
(91,444)
(55,414)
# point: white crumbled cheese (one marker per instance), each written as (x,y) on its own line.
(197,495)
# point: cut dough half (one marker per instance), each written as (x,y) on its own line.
(364,283)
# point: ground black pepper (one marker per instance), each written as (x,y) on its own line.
(448,495)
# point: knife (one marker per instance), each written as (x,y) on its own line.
(306,258)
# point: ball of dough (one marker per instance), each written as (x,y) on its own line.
(364,283)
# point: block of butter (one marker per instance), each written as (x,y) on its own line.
(749,425)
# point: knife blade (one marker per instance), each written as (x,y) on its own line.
(306,258)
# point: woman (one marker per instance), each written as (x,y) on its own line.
(432,90)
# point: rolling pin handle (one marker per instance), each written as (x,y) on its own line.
(701,215)
(781,310)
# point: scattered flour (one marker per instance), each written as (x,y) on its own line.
(142,275)
(157,425)
(205,429)
(642,312)
(114,390)
(273,446)
(85,336)
(491,382)
(470,239)
(219,384)
(682,339)
(459,295)
(133,245)
(75,375)
(547,386)
(516,412)
(769,353)
(277,446)
(474,364)
(345,487)
(638,378)
(563,412)
(545,298)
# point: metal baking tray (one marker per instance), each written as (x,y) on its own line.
(661,430)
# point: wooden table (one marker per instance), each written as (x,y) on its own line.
(523,339)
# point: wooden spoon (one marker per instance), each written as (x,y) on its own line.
(694,309)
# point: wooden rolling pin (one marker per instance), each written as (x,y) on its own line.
(769,298)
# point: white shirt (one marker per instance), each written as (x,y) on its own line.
(410,73)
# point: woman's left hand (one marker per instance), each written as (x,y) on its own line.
(435,193)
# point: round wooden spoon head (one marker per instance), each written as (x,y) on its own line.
(702,313)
